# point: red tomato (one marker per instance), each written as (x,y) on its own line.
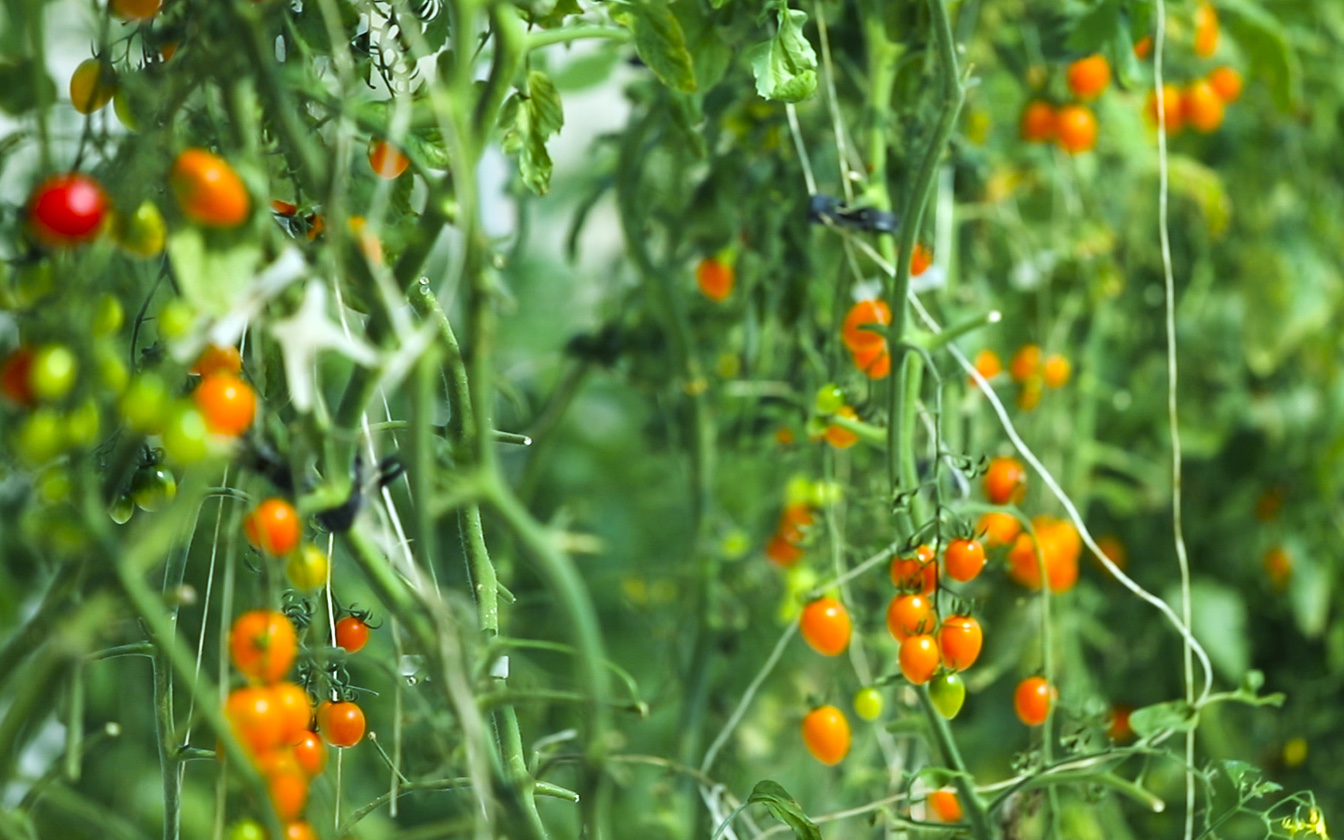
(352,633)
(1226,82)
(825,625)
(341,723)
(1089,77)
(67,210)
(920,260)
(1118,728)
(1059,546)
(262,645)
(826,734)
(1032,700)
(959,642)
(782,552)
(1076,129)
(14,381)
(715,279)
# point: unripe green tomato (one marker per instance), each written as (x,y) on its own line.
(247,830)
(143,234)
(121,104)
(122,508)
(175,319)
(40,437)
(185,437)
(53,372)
(798,490)
(144,404)
(153,487)
(827,493)
(81,425)
(830,398)
(948,693)
(112,373)
(868,703)
(108,315)
(53,485)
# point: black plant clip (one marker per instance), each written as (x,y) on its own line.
(826,209)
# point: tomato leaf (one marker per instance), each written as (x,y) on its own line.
(211,279)
(1095,28)
(1173,716)
(529,118)
(785,67)
(784,808)
(23,86)
(660,42)
(1266,43)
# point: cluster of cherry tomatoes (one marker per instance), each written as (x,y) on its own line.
(1201,102)
(1072,125)
(1030,369)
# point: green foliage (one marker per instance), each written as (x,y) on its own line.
(785,67)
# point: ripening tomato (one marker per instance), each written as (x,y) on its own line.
(782,552)
(1032,700)
(1059,544)
(387,160)
(1076,129)
(963,559)
(873,360)
(137,9)
(825,626)
(920,260)
(868,703)
(288,792)
(92,85)
(715,278)
(945,805)
(910,615)
(1202,107)
(209,190)
(865,313)
(293,709)
(1089,77)
(247,830)
(998,528)
(1278,567)
(1206,30)
(919,658)
(310,753)
(14,381)
(1005,481)
(959,641)
(917,574)
(262,645)
(948,693)
(1056,371)
(987,364)
(838,436)
(228,404)
(1143,47)
(341,723)
(66,210)
(352,633)
(826,734)
(1117,727)
(794,521)
(1226,82)
(215,359)
(1025,364)
(1038,122)
(307,568)
(299,830)
(274,527)
(252,713)
(1171,108)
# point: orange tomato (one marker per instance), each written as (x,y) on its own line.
(252,714)
(1032,700)
(1038,122)
(1171,108)
(1226,83)
(794,521)
(262,645)
(1005,481)
(1026,362)
(310,753)
(137,9)
(1118,728)
(1059,546)
(1206,30)
(873,360)
(227,403)
(963,559)
(715,279)
(863,314)
(920,260)
(782,552)
(289,793)
(1279,567)
(999,528)
(1089,77)
(274,527)
(299,830)
(1076,129)
(1143,47)
(910,615)
(1268,504)
(919,658)
(825,626)
(283,208)
(214,359)
(945,805)
(1202,107)
(838,436)
(341,723)
(352,633)
(987,364)
(960,638)
(293,710)
(1056,370)
(826,734)
(209,192)
(387,160)
(917,574)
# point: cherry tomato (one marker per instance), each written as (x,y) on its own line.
(1089,77)
(794,521)
(215,359)
(1268,504)
(1032,700)
(274,527)
(826,734)
(40,437)
(108,316)
(865,313)
(67,210)
(283,208)
(920,260)
(919,658)
(1059,546)
(145,403)
(299,830)
(142,233)
(341,723)
(838,436)
(175,320)
(209,192)
(288,792)
(1206,30)
(918,574)
(945,805)
(782,552)
(1202,107)
(1143,47)
(1117,727)
(963,559)
(873,360)
(1025,363)
(1038,122)
(153,487)
(252,713)
(122,509)
(228,404)
(1171,108)
(959,642)
(247,830)
(137,9)
(715,279)
(1278,567)
(1227,83)
(293,709)
(948,693)
(910,615)
(1056,371)
(987,364)
(307,568)
(92,85)
(262,645)
(1076,129)
(352,633)
(53,372)
(868,703)
(387,160)
(825,625)
(1005,481)
(14,381)
(311,753)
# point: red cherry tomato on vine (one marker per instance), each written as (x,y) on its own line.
(228,404)
(959,642)
(262,645)
(999,528)
(67,210)
(825,625)
(352,633)
(919,658)
(910,615)
(964,559)
(1089,77)
(826,734)
(273,527)
(1032,700)
(341,723)
(1038,122)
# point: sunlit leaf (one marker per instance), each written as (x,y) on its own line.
(785,67)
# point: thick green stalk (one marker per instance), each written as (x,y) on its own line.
(971,805)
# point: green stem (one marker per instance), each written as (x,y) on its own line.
(971,805)
(547,37)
